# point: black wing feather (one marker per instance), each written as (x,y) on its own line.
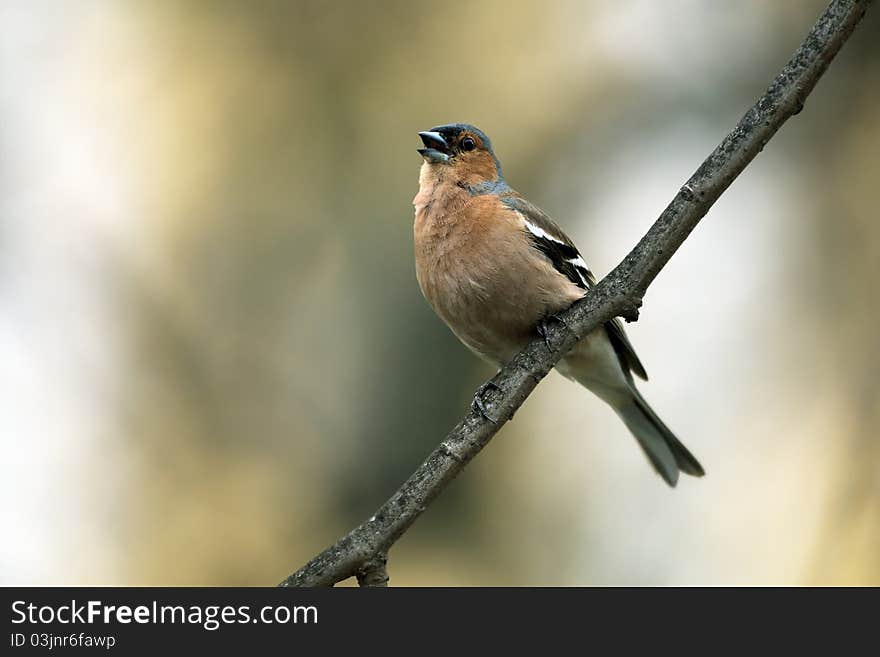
(550,240)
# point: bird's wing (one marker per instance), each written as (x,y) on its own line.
(551,240)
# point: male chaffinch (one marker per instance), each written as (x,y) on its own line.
(493,266)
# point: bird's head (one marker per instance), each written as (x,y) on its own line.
(461,150)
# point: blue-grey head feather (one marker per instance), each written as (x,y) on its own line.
(453,129)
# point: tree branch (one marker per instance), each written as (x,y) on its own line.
(374,573)
(362,552)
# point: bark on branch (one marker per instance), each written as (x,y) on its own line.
(363,551)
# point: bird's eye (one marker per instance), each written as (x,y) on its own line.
(468,144)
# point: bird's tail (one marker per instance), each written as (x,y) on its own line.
(663,449)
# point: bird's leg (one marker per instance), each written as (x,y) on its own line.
(544,329)
(477,405)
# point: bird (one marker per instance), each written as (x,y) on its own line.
(494,267)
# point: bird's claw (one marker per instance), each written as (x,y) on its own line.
(477,405)
(544,329)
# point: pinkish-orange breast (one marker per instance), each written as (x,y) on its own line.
(479,273)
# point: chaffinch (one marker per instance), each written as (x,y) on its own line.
(493,267)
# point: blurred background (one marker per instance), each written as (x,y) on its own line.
(216,358)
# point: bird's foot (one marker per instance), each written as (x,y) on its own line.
(544,329)
(478,406)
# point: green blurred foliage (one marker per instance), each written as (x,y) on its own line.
(281,375)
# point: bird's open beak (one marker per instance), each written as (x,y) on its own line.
(436,149)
